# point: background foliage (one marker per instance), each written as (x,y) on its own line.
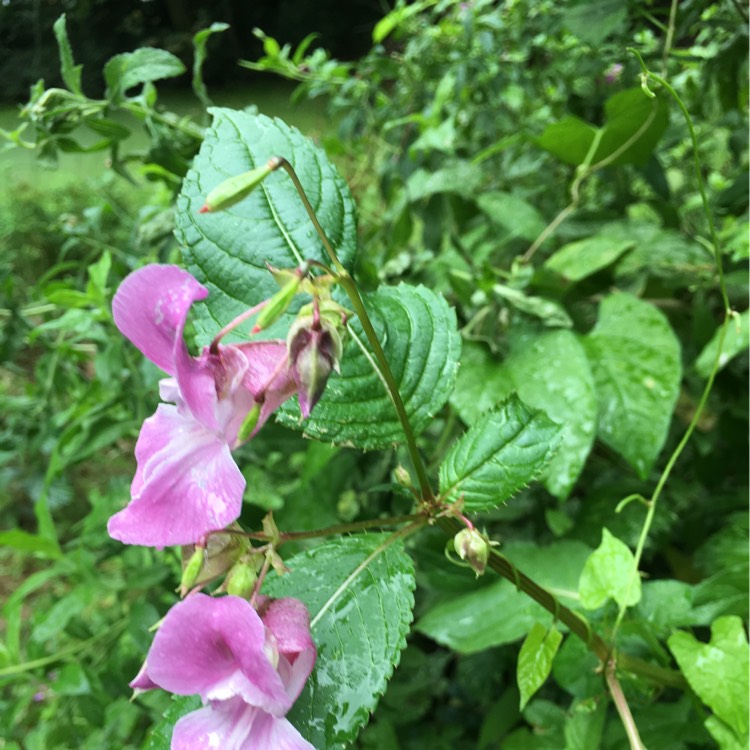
(491,150)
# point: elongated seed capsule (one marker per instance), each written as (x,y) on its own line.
(233,190)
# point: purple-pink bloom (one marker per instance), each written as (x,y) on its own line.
(247,670)
(187,483)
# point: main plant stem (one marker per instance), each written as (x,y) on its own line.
(451,526)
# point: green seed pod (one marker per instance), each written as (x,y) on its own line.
(248,425)
(277,305)
(233,190)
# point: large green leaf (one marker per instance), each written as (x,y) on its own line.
(488,616)
(635,357)
(228,250)
(504,451)
(718,672)
(418,332)
(550,371)
(359,593)
(634,124)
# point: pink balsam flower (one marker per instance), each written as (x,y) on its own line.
(187,483)
(247,670)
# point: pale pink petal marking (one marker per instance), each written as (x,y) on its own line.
(150,308)
(186,485)
(225,725)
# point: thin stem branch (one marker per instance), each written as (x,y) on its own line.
(576,623)
(342,528)
(621,703)
(670,37)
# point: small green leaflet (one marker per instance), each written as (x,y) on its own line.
(418,333)
(569,398)
(535,659)
(160,736)
(145,65)
(228,250)
(71,73)
(360,621)
(736,340)
(579,259)
(610,573)
(503,452)
(718,672)
(635,358)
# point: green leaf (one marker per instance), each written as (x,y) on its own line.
(491,615)
(504,451)
(200,39)
(577,260)
(634,124)
(635,358)
(25,542)
(569,139)
(518,217)
(610,573)
(228,250)
(593,21)
(71,73)
(736,340)
(718,672)
(551,313)
(418,332)
(568,397)
(160,736)
(145,65)
(359,593)
(535,659)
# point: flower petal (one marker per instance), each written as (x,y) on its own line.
(289,621)
(275,733)
(222,725)
(233,725)
(186,484)
(150,308)
(215,647)
(268,375)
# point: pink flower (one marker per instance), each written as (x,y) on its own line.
(248,671)
(187,483)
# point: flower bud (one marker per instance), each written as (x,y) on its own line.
(472,547)
(249,423)
(403,477)
(315,349)
(241,580)
(191,570)
(233,190)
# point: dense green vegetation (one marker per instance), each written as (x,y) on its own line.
(572,180)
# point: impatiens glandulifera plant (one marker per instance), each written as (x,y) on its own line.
(268,233)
